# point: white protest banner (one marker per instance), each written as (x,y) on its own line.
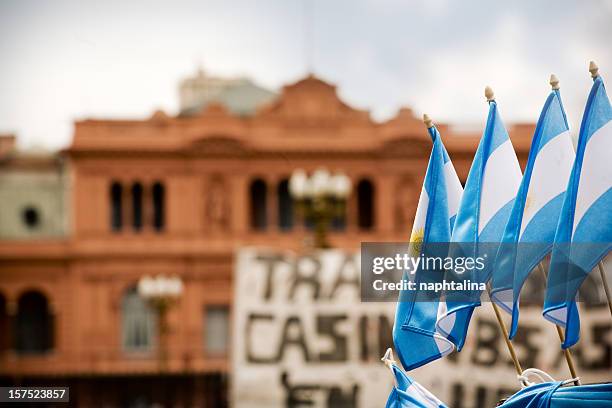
(302,337)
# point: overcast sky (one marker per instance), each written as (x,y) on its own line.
(68,60)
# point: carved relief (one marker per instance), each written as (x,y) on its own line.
(216,204)
(406,147)
(217,146)
(406,200)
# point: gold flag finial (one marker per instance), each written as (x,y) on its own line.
(427,121)
(389,362)
(554,82)
(489,94)
(593,68)
(388,358)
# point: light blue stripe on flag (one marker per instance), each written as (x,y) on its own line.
(410,394)
(530,230)
(555,395)
(584,232)
(485,206)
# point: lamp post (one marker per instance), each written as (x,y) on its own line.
(319,199)
(161,293)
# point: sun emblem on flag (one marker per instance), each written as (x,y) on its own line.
(416,241)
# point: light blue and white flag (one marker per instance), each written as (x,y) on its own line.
(483,213)
(530,230)
(414,330)
(584,232)
(555,395)
(408,393)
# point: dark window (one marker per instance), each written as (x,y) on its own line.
(158,206)
(216,329)
(33,324)
(365,204)
(30,217)
(258,193)
(116,193)
(285,206)
(137,206)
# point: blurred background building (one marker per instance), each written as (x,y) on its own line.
(179,195)
(176,196)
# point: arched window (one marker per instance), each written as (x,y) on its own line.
(4,325)
(158,206)
(137,206)
(365,204)
(33,325)
(138,322)
(116,215)
(258,195)
(285,206)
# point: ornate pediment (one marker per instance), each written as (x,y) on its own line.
(217,146)
(311,101)
(406,147)
(159,118)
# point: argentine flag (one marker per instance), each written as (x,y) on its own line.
(414,335)
(585,220)
(410,394)
(483,213)
(555,395)
(530,230)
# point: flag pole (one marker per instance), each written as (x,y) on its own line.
(602,272)
(566,352)
(509,345)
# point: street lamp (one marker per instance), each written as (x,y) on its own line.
(320,199)
(161,292)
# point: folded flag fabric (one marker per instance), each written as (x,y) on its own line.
(554,395)
(484,210)
(410,394)
(530,231)
(584,232)
(414,334)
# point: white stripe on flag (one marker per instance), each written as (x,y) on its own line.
(500,182)
(559,316)
(596,173)
(454,190)
(447,323)
(549,176)
(421,213)
(422,394)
